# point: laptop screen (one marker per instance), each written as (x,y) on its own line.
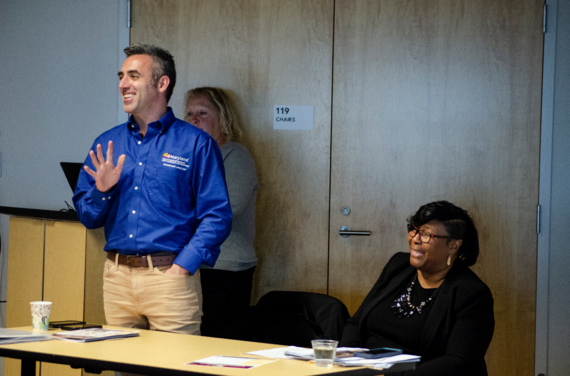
(71,171)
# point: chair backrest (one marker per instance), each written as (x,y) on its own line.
(294,319)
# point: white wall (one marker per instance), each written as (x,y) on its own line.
(59,91)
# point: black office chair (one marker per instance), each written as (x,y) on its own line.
(293,319)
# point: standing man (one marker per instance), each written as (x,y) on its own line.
(163,202)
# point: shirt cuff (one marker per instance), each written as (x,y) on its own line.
(101,199)
(189,258)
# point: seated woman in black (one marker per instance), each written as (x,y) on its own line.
(428,302)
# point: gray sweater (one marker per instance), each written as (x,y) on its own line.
(237,252)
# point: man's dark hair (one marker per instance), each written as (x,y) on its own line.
(457,223)
(163,63)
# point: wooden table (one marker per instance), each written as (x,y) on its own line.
(159,353)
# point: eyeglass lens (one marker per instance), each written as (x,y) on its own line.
(412,231)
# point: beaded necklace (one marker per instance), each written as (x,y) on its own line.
(404,306)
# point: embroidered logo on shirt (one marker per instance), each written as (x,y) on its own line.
(174,161)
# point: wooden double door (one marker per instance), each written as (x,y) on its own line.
(414,101)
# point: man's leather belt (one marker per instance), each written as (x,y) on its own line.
(141,261)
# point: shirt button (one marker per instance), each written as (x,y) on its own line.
(103,198)
(131,235)
(136,188)
(140,163)
(134,211)
(139,142)
(109,197)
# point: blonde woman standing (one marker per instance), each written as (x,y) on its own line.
(226,287)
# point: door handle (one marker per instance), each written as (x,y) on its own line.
(346,232)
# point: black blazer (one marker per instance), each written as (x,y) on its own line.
(458,329)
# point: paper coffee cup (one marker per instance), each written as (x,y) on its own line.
(40,315)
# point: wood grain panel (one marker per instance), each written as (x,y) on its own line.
(265,53)
(51,369)
(440,100)
(64,278)
(25,276)
(25,253)
(71,269)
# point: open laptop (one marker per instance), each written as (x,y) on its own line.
(71,171)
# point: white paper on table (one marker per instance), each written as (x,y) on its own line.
(294,352)
(278,353)
(9,336)
(308,354)
(230,362)
(385,362)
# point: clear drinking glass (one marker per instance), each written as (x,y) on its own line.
(325,351)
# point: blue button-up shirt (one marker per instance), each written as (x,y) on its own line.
(171,195)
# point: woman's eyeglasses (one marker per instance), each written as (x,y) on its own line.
(424,236)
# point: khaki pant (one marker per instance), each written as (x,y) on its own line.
(146,298)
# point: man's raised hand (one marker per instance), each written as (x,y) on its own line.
(107,174)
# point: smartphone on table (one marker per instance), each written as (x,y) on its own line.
(381,352)
(81,326)
(72,325)
(59,324)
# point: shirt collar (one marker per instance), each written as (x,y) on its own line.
(161,124)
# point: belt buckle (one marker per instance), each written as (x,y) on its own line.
(129,262)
